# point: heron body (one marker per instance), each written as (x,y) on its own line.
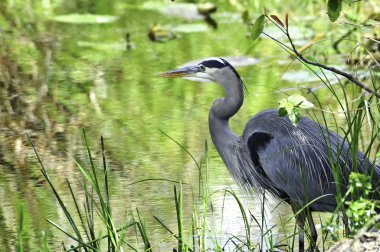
(292,162)
(298,164)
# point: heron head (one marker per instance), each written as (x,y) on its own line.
(210,70)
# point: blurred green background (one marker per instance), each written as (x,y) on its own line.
(85,64)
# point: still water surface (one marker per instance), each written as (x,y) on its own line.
(94,83)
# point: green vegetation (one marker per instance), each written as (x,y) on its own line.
(200,235)
(65,66)
(290,106)
(361,208)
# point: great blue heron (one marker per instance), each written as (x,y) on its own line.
(294,163)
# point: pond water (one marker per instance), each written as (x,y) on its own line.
(83,77)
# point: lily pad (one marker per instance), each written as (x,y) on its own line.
(150,5)
(305,76)
(161,33)
(121,46)
(235,61)
(84,18)
(227,17)
(186,11)
(189,28)
(206,8)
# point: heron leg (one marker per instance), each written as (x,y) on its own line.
(313,231)
(300,219)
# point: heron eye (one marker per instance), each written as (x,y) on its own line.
(202,68)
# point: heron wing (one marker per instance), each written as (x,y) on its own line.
(294,159)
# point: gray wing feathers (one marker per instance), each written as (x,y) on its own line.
(301,160)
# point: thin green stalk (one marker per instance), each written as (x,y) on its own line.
(143,233)
(77,209)
(245,219)
(62,205)
(46,243)
(20,230)
(169,230)
(178,206)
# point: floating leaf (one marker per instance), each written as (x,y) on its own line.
(189,28)
(102,46)
(306,76)
(235,61)
(258,27)
(206,8)
(187,11)
(334,8)
(84,19)
(278,21)
(161,34)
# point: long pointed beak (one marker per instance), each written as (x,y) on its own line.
(180,72)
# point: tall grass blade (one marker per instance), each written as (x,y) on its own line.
(62,205)
(20,230)
(143,233)
(178,206)
(247,226)
(46,243)
(78,209)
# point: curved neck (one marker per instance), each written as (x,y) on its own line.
(222,110)
(226,107)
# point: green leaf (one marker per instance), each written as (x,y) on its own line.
(293,118)
(291,106)
(334,8)
(246,16)
(300,102)
(282,102)
(282,112)
(258,27)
